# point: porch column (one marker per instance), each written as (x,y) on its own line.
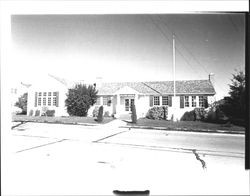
(160,100)
(136,98)
(118,104)
(197,101)
(101,100)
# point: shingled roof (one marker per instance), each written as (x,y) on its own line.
(160,87)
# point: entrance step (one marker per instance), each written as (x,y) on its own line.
(126,117)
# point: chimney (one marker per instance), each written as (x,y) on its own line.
(98,82)
(211,78)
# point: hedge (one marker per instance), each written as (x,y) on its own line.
(50,113)
(189,116)
(158,113)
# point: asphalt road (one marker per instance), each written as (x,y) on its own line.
(72,159)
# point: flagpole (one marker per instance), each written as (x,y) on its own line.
(174,98)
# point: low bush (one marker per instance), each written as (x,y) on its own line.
(158,112)
(239,122)
(95,111)
(31,113)
(50,113)
(37,113)
(199,113)
(106,114)
(189,116)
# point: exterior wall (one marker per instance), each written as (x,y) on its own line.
(143,106)
(59,111)
(109,109)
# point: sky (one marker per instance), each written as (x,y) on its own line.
(129,47)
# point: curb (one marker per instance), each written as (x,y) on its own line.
(185,130)
(63,123)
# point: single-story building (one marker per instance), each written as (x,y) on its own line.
(117,97)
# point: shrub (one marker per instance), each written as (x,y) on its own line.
(134,116)
(95,111)
(158,112)
(106,114)
(22,103)
(199,113)
(189,116)
(50,113)
(100,114)
(239,122)
(37,113)
(31,113)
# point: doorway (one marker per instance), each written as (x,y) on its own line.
(128,104)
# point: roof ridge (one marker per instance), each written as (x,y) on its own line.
(61,80)
(151,87)
(154,81)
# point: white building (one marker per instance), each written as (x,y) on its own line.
(117,97)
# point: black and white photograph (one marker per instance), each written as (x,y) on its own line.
(151,102)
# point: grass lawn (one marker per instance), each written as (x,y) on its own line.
(66,119)
(191,125)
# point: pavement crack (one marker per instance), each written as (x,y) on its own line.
(109,136)
(41,146)
(17,125)
(203,163)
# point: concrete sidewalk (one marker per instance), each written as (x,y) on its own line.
(182,129)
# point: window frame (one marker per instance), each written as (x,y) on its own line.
(186,101)
(193,99)
(201,101)
(165,99)
(98,101)
(155,100)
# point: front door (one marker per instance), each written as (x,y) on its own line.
(128,104)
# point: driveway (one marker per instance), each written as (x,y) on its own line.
(73,159)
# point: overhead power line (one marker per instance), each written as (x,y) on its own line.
(190,53)
(188,50)
(170,41)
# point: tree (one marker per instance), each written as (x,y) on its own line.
(235,105)
(79,99)
(134,116)
(22,103)
(100,114)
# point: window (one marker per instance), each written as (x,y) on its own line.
(98,101)
(201,101)
(193,101)
(49,101)
(44,100)
(54,101)
(13,90)
(39,101)
(156,100)
(165,101)
(186,101)
(105,100)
